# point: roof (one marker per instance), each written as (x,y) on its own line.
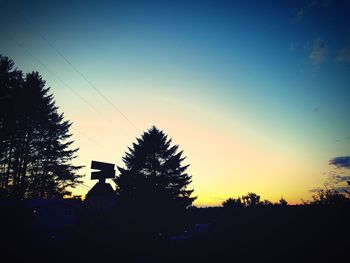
(101,189)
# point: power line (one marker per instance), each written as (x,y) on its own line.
(83,186)
(64,83)
(92,141)
(86,186)
(61,80)
(89,82)
(80,73)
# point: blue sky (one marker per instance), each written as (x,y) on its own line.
(272,73)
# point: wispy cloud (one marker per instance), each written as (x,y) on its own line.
(337,179)
(344,55)
(319,51)
(337,182)
(341,162)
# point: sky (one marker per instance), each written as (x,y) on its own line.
(256,93)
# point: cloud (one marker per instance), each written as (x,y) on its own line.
(341,162)
(319,51)
(336,179)
(344,54)
(338,182)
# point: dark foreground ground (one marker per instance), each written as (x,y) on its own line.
(263,234)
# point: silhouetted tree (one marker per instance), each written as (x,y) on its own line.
(251,199)
(329,197)
(248,200)
(35,143)
(152,187)
(282,202)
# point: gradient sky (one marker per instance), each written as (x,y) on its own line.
(256,93)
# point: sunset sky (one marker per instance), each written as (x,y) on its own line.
(256,93)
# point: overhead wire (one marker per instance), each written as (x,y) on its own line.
(80,73)
(92,141)
(63,82)
(73,90)
(86,185)
(83,186)
(90,83)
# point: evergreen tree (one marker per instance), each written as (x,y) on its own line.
(35,143)
(251,200)
(152,187)
(10,82)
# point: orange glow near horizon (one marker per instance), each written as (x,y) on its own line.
(223,162)
(252,111)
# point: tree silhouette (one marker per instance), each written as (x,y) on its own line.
(153,184)
(329,197)
(282,202)
(35,149)
(251,199)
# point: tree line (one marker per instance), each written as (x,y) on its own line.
(322,196)
(36,153)
(251,200)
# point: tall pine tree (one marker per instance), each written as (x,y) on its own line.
(152,188)
(35,143)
